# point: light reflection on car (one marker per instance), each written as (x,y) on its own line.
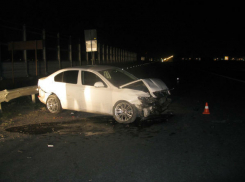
(106,90)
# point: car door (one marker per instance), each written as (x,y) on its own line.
(95,99)
(67,89)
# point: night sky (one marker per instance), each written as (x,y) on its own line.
(161,28)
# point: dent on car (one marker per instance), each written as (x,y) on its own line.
(154,104)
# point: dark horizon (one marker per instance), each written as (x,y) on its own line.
(158,29)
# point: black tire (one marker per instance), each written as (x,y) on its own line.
(124,112)
(53,104)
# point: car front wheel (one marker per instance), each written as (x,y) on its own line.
(53,104)
(124,112)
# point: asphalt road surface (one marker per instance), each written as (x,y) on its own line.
(183,145)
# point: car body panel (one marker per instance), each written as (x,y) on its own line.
(153,85)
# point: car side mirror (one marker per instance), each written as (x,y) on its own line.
(99,85)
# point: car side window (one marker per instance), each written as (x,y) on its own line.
(89,78)
(59,77)
(67,77)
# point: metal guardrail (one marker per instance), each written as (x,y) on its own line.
(7,95)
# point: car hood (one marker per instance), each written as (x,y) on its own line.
(152,84)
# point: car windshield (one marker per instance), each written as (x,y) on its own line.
(117,76)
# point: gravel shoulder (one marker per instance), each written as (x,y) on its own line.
(21,112)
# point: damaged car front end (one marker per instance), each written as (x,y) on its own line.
(152,107)
(158,100)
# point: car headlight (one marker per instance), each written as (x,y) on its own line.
(146,99)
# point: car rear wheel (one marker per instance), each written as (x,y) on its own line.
(124,112)
(53,104)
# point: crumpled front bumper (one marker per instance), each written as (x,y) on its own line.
(153,107)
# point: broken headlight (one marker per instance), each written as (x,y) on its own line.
(146,99)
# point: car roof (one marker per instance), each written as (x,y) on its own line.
(91,67)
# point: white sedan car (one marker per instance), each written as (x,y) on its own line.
(106,90)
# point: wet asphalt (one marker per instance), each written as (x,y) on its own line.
(182,145)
